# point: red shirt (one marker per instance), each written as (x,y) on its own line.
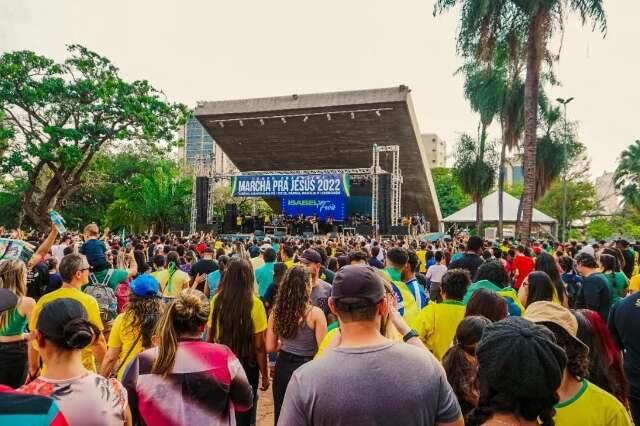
(523,264)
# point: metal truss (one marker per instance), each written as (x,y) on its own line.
(396,185)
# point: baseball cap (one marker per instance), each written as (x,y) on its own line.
(267,240)
(545,311)
(8,299)
(310,256)
(264,247)
(355,284)
(145,286)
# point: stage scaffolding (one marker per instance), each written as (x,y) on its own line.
(205,166)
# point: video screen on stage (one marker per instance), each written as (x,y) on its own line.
(290,185)
(322,206)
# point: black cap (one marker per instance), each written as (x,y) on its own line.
(356,284)
(520,358)
(310,256)
(8,299)
(58,319)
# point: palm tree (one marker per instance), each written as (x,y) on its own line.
(627,175)
(484,22)
(475,169)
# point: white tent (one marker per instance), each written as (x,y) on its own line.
(490,211)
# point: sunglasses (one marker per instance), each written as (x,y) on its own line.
(88,268)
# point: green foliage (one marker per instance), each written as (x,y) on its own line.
(222,195)
(156,197)
(599,229)
(581,200)
(627,175)
(450,194)
(475,167)
(63,114)
(516,190)
(11,191)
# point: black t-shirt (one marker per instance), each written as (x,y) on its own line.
(468,261)
(624,324)
(629,260)
(594,294)
(37,281)
(203,266)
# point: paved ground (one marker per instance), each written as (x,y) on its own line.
(265,408)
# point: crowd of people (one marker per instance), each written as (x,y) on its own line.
(98,329)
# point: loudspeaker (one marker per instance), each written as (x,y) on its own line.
(202,199)
(230,214)
(397,230)
(384,203)
(364,229)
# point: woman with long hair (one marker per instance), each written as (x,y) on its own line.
(460,362)
(15,312)
(605,361)
(239,321)
(295,330)
(570,278)
(132,330)
(618,280)
(184,380)
(62,330)
(546,263)
(535,288)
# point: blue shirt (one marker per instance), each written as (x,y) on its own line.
(264,277)
(95,252)
(418,293)
(213,279)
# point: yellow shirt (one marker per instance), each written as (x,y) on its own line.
(179,281)
(436,325)
(123,336)
(591,406)
(218,244)
(258,315)
(289,263)
(422,257)
(93,314)
(634,284)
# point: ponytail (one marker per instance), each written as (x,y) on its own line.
(167,342)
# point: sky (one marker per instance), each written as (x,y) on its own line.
(215,50)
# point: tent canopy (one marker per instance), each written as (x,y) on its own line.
(490,211)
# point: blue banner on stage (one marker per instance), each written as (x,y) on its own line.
(286,185)
(321,205)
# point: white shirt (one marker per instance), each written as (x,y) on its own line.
(436,272)
(58,251)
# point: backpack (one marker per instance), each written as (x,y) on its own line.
(104,295)
(122,295)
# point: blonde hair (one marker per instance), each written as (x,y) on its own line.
(186,314)
(91,229)
(12,277)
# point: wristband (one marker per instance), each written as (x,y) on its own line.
(410,335)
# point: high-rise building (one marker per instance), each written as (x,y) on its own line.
(436,150)
(198,142)
(606,193)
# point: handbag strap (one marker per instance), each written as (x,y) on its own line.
(135,342)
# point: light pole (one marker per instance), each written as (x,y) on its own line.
(564,103)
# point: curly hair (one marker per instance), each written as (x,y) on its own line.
(492,402)
(292,302)
(141,315)
(577,356)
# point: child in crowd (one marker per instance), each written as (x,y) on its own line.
(94,249)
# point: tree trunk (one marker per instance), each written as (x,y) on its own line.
(479,217)
(535,48)
(503,154)
(519,216)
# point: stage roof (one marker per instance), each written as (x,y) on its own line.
(490,211)
(326,131)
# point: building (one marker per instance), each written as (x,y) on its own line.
(198,142)
(513,172)
(606,193)
(326,131)
(436,150)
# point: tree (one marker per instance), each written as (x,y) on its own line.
(157,197)
(483,23)
(599,229)
(581,200)
(451,197)
(627,175)
(64,114)
(475,169)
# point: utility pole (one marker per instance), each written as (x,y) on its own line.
(564,103)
